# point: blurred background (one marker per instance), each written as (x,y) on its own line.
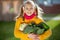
(9,10)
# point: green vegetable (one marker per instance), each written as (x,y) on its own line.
(28,30)
(40,31)
(45,26)
(35,28)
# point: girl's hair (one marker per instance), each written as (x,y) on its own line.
(38,9)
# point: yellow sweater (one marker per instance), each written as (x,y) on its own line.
(19,34)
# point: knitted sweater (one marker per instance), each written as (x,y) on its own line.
(20,34)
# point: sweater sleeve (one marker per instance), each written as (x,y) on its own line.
(17,32)
(47,33)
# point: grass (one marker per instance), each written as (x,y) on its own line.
(56,33)
(7,29)
(53,23)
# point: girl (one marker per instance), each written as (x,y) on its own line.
(30,12)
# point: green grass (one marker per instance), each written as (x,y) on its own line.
(53,23)
(55,33)
(7,30)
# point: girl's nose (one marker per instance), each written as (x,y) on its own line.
(29,9)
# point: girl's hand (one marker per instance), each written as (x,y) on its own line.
(33,36)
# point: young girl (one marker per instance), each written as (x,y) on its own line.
(30,12)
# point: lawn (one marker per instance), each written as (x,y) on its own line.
(7,29)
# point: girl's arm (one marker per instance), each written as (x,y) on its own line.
(17,32)
(47,33)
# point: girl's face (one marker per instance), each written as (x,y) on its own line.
(29,9)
